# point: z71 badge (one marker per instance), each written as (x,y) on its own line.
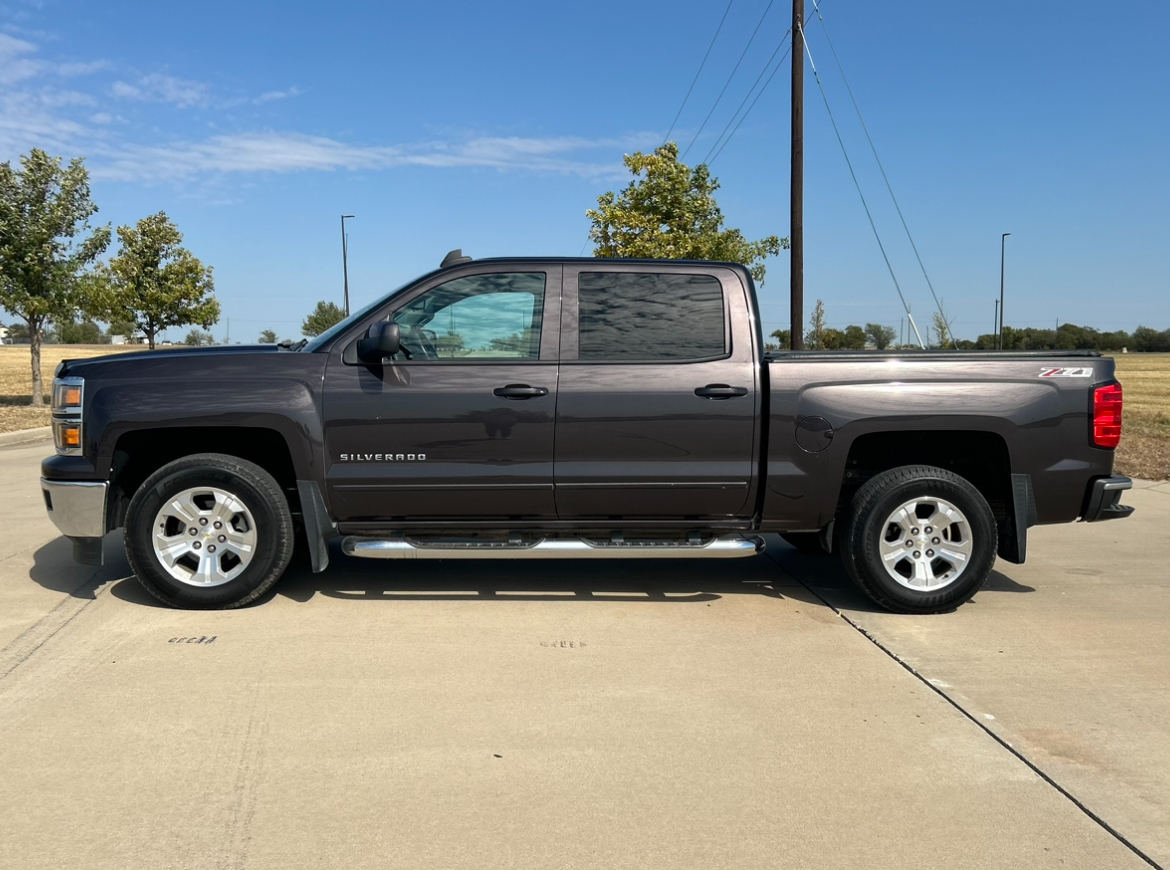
(1082,372)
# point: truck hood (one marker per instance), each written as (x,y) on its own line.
(190,355)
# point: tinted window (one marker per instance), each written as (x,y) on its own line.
(647,316)
(481,317)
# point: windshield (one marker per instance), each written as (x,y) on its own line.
(358,315)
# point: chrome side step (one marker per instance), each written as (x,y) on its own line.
(726,547)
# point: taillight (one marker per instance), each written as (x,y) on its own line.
(1107,415)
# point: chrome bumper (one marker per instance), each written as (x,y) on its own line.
(1103,501)
(77,507)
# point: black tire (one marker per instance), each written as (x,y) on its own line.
(805,542)
(866,524)
(247,482)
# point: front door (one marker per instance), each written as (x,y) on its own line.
(463,428)
(656,417)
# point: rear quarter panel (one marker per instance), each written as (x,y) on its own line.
(1043,421)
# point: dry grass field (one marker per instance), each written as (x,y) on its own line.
(16,412)
(1144,450)
(1145,427)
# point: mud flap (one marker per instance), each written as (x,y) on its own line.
(1013,531)
(319,528)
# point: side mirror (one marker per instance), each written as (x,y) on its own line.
(381,341)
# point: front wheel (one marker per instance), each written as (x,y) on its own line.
(919,539)
(209,531)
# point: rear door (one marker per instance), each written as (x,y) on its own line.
(463,429)
(658,394)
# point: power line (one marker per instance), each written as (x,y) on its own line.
(715,152)
(749,111)
(856,184)
(678,114)
(730,77)
(719,138)
(885,178)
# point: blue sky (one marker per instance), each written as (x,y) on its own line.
(493,127)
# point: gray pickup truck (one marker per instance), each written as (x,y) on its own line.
(575,408)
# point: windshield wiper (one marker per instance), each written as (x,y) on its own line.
(290,345)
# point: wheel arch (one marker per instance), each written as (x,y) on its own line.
(139,453)
(981,457)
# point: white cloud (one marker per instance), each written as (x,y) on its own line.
(16,65)
(294,152)
(159,88)
(69,122)
(278,95)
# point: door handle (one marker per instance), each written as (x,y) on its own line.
(519,391)
(720,391)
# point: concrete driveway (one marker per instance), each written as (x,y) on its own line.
(752,714)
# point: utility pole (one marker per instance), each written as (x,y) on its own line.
(796,186)
(995,326)
(345,261)
(1002,244)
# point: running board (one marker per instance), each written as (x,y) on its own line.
(727,547)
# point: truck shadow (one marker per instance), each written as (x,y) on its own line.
(54,569)
(825,578)
(651,581)
(781,572)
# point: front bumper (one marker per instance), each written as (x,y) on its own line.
(77,507)
(1104,499)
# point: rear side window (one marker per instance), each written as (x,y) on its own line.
(645,316)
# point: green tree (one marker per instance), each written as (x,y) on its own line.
(783,338)
(325,315)
(1149,340)
(814,339)
(122,327)
(941,326)
(449,344)
(154,282)
(199,338)
(268,337)
(518,343)
(84,332)
(832,339)
(45,244)
(881,336)
(853,338)
(669,211)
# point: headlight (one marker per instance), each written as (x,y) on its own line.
(68,394)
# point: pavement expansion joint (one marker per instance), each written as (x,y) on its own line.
(25,645)
(934,687)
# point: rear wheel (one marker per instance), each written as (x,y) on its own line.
(209,531)
(919,539)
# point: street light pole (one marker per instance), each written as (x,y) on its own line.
(995,326)
(1002,244)
(345,261)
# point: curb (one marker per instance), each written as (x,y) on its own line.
(26,436)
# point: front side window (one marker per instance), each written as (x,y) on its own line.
(481,317)
(641,317)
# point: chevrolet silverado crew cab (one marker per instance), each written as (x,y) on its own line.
(575,408)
